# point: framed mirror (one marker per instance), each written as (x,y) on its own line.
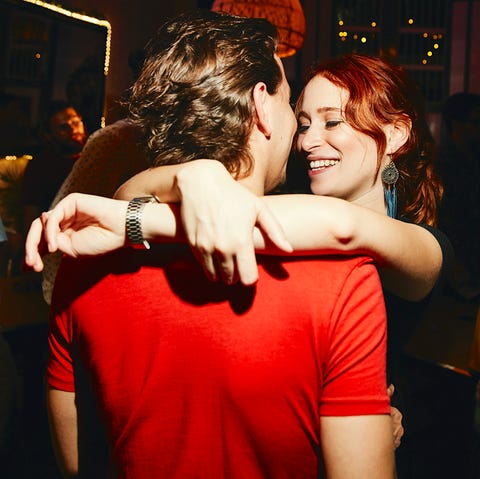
(47,52)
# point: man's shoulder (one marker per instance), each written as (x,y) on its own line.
(77,279)
(327,272)
(84,272)
(115,135)
(121,261)
(337,263)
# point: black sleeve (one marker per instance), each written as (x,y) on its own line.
(448,257)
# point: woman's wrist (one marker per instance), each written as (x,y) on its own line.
(196,174)
(160,222)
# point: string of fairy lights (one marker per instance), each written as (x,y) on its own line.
(84,18)
(430,46)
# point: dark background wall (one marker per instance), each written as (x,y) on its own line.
(455,66)
(134,22)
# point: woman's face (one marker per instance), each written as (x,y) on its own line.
(341,161)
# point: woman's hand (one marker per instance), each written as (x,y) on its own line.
(396,416)
(78,225)
(219,216)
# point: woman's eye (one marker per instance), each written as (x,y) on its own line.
(332,123)
(302,128)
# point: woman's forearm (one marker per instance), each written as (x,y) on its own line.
(409,257)
(162,181)
(159,181)
(162,223)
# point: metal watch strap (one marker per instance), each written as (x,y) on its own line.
(133,220)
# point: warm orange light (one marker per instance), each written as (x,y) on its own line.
(286,15)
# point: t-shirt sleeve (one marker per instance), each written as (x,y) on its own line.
(354,372)
(448,257)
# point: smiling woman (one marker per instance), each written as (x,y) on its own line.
(341,160)
(367,122)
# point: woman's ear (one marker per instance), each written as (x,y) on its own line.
(261,100)
(397,134)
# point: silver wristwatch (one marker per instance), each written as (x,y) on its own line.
(133,220)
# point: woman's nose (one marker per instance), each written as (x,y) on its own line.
(311,138)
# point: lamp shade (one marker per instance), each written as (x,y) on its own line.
(286,15)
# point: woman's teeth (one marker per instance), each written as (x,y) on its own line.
(322,163)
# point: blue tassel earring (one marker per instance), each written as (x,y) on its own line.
(389,177)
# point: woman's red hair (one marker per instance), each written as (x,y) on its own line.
(381,93)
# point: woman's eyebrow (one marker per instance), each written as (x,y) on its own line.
(324,109)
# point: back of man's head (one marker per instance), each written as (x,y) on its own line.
(193,98)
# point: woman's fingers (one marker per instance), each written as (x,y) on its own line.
(33,245)
(267,222)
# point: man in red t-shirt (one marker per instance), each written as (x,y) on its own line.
(198,379)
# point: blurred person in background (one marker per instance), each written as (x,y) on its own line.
(459,168)
(63,136)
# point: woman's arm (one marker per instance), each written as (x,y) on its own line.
(83,224)
(219,217)
(159,181)
(224,252)
(408,256)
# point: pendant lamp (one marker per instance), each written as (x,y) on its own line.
(286,15)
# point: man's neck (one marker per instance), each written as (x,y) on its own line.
(260,150)
(254,184)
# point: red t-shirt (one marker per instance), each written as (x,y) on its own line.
(197,379)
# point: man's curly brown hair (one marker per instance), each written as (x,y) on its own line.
(193,98)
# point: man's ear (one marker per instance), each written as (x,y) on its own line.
(397,134)
(261,100)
